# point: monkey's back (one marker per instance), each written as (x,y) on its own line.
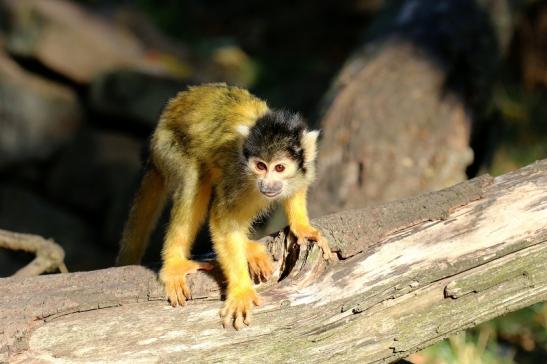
(204,119)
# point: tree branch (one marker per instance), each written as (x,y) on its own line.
(408,273)
(49,255)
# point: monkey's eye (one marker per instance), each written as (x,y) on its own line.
(261,166)
(279,168)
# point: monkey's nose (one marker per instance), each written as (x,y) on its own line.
(271,189)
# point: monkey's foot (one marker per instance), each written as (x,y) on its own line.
(260,264)
(305,233)
(173,277)
(238,306)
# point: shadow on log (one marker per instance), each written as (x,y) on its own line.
(408,273)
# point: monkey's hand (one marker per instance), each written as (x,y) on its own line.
(260,264)
(173,277)
(238,306)
(305,233)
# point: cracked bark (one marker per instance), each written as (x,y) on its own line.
(408,273)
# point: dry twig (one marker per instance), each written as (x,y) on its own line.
(49,255)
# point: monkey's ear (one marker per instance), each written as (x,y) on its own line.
(243,130)
(309,144)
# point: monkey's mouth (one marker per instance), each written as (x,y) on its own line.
(271,194)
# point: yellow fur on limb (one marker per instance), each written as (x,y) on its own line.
(297,215)
(147,207)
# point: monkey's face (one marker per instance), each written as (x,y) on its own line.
(274,179)
(279,153)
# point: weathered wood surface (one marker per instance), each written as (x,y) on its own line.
(403,280)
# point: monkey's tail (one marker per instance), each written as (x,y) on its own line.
(147,207)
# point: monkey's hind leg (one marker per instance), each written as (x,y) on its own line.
(260,263)
(190,203)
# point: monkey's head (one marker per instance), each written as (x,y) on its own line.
(279,152)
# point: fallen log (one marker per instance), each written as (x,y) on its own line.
(407,274)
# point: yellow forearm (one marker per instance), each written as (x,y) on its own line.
(297,215)
(231,249)
(296,209)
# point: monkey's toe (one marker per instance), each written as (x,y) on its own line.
(238,307)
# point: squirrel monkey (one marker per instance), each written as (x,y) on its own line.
(221,142)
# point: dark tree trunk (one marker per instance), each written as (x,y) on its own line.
(399,117)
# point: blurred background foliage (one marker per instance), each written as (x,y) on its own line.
(286,52)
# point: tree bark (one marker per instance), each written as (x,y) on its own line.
(407,274)
(399,117)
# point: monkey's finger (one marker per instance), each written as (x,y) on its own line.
(243,310)
(265,270)
(228,316)
(185,290)
(263,275)
(260,276)
(238,321)
(255,276)
(180,296)
(248,317)
(171,294)
(301,241)
(253,269)
(260,267)
(223,311)
(321,242)
(324,245)
(226,310)
(256,300)
(226,321)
